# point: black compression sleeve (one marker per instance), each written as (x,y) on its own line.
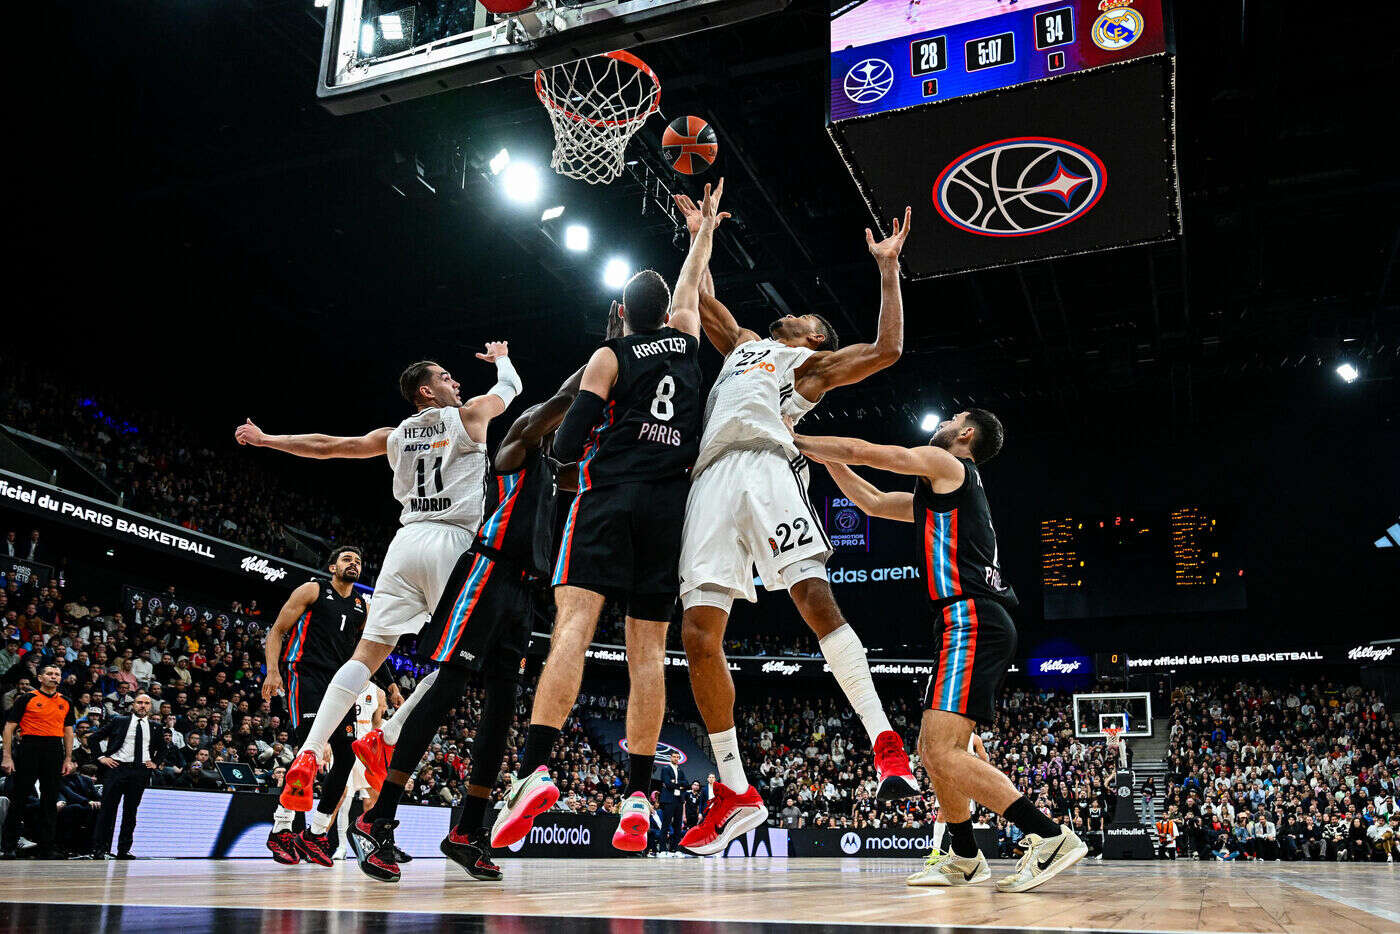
(583,414)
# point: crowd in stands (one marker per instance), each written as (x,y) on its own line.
(168,468)
(1303,771)
(1299,772)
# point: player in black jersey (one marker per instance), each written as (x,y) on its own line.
(481,624)
(977,639)
(314,634)
(634,430)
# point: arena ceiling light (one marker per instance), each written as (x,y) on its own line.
(576,238)
(1348,373)
(521,182)
(615,273)
(367,39)
(930,422)
(499,161)
(551,213)
(391,26)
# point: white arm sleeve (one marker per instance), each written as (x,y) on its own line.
(508,384)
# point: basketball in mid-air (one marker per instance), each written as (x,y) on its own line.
(689,145)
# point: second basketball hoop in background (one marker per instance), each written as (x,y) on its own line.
(689,145)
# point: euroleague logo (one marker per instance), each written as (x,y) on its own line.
(1020,186)
(868,81)
(663,751)
(1118,27)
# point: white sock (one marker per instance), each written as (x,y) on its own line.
(319,822)
(342,824)
(394,725)
(282,819)
(731,770)
(347,684)
(939,828)
(846,656)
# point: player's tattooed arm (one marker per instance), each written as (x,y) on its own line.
(685,299)
(828,369)
(298,603)
(479,410)
(374,444)
(595,388)
(923,461)
(531,428)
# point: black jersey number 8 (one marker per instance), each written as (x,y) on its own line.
(437,476)
(786,532)
(661,406)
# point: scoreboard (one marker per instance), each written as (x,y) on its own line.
(891,54)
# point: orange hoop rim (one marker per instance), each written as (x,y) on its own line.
(623,56)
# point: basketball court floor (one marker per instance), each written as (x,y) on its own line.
(688,896)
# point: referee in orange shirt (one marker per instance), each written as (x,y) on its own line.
(45,722)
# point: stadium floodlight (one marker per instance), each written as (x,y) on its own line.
(522,182)
(576,238)
(1348,373)
(615,273)
(551,213)
(930,422)
(499,161)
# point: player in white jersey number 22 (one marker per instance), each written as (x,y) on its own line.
(438,456)
(748,507)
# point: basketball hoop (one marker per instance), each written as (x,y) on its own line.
(595,105)
(1114,742)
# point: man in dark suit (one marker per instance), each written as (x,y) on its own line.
(130,748)
(673,786)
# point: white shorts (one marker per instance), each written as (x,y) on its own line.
(416,567)
(749,509)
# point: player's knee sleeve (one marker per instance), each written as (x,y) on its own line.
(651,606)
(721,598)
(806,569)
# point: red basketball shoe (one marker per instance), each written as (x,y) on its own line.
(726,816)
(374,754)
(301,778)
(892,762)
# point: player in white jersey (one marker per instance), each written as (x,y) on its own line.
(369,713)
(438,456)
(748,506)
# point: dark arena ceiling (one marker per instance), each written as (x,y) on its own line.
(234,246)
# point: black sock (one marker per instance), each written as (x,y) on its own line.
(387,804)
(1024,814)
(960,838)
(639,777)
(539,743)
(473,814)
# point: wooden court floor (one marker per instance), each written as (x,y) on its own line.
(686,895)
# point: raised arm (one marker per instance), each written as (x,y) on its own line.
(870,499)
(720,327)
(685,297)
(298,603)
(594,389)
(853,363)
(532,426)
(479,410)
(320,447)
(922,461)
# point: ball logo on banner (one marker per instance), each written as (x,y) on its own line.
(1118,27)
(847,520)
(868,80)
(1021,186)
(850,844)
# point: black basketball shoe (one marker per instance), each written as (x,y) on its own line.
(375,848)
(472,853)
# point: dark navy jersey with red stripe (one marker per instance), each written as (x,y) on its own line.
(514,503)
(324,637)
(650,429)
(957,544)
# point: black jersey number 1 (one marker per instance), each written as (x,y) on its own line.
(422,476)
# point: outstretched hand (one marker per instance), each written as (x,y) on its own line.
(248,433)
(709,205)
(690,213)
(887,250)
(494,351)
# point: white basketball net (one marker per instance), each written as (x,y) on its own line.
(595,105)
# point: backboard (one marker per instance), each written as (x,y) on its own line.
(380,52)
(1130,712)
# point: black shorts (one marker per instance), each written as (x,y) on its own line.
(483,618)
(976,643)
(305,688)
(624,541)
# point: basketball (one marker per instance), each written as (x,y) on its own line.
(689,145)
